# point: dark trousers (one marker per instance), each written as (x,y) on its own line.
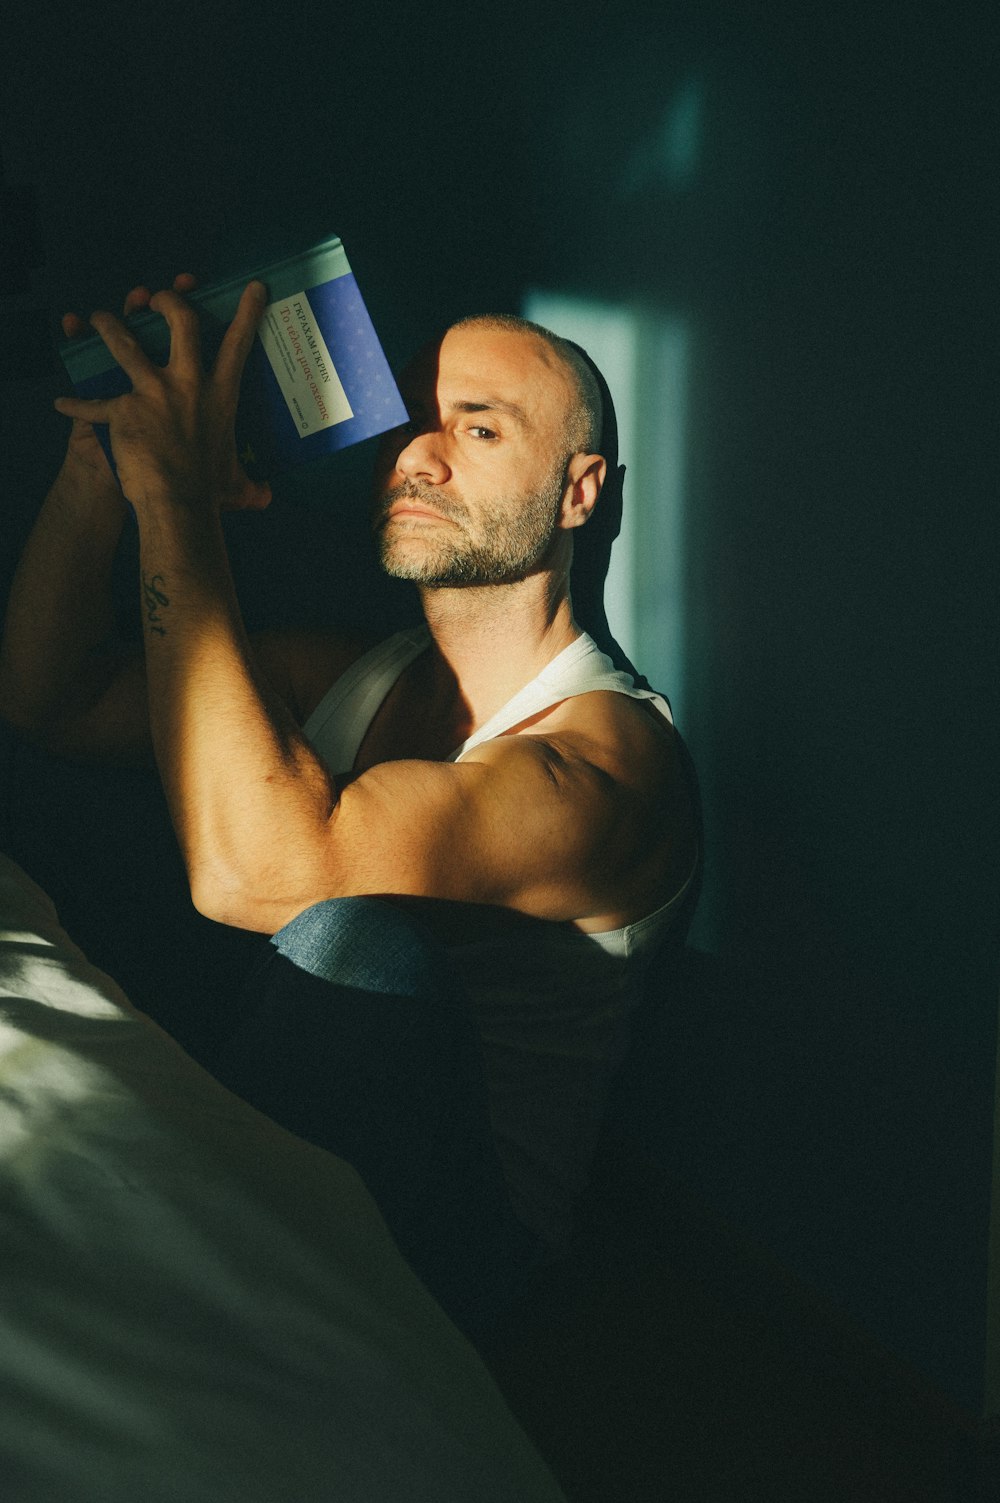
(354,1034)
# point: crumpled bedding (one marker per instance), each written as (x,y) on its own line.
(194,1304)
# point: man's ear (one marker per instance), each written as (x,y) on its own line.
(584,477)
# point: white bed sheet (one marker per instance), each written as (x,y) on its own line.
(195,1306)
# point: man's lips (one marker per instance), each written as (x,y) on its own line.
(407,503)
(415,509)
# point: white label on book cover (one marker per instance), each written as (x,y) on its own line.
(303,369)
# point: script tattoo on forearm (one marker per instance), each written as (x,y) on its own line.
(155,601)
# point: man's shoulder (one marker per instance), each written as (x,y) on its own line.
(605,778)
(625,738)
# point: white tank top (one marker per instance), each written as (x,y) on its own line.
(551,1000)
(338,725)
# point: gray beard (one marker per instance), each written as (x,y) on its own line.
(457,560)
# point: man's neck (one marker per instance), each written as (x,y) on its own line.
(489,642)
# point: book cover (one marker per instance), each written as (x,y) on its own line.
(316,379)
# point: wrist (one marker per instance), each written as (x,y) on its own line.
(85,497)
(175,503)
(185,523)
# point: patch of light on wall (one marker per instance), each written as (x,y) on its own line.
(644,357)
(667,155)
(681,132)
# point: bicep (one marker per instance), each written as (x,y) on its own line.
(510,829)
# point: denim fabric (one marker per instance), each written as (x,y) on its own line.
(369,944)
(355,1036)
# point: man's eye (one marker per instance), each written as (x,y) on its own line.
(478,431)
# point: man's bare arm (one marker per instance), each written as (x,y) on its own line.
(534,823)
(64,679)
(58,661)
(552,826)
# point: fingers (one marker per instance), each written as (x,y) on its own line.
(123,345)
(185,331)
(253,495)
(137,299)
(140,297)
(87,411)
(239,337)
(181,318)
(73,326)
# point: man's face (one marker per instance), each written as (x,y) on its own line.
(469,491)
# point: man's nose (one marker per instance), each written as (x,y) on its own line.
(423,458)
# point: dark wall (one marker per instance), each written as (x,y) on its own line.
(837,1098)
(826,242)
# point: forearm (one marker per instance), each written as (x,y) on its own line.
(249,799)
(60,606)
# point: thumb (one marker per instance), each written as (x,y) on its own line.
(249,495)
(258,495)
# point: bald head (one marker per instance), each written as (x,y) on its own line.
(492,473)
(584,416)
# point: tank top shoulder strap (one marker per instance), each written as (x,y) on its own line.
(337,726)
(581,668)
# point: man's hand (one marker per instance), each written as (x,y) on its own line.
(64,679)
(172,435)
(85,469)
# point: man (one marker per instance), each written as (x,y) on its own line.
(459,847)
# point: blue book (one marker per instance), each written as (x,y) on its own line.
(315,381)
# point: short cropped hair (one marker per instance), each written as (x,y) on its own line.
(585,418)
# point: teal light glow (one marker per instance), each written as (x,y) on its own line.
(667,156)
(644,357)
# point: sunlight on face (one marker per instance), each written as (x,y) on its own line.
(461,549)
(469,491)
